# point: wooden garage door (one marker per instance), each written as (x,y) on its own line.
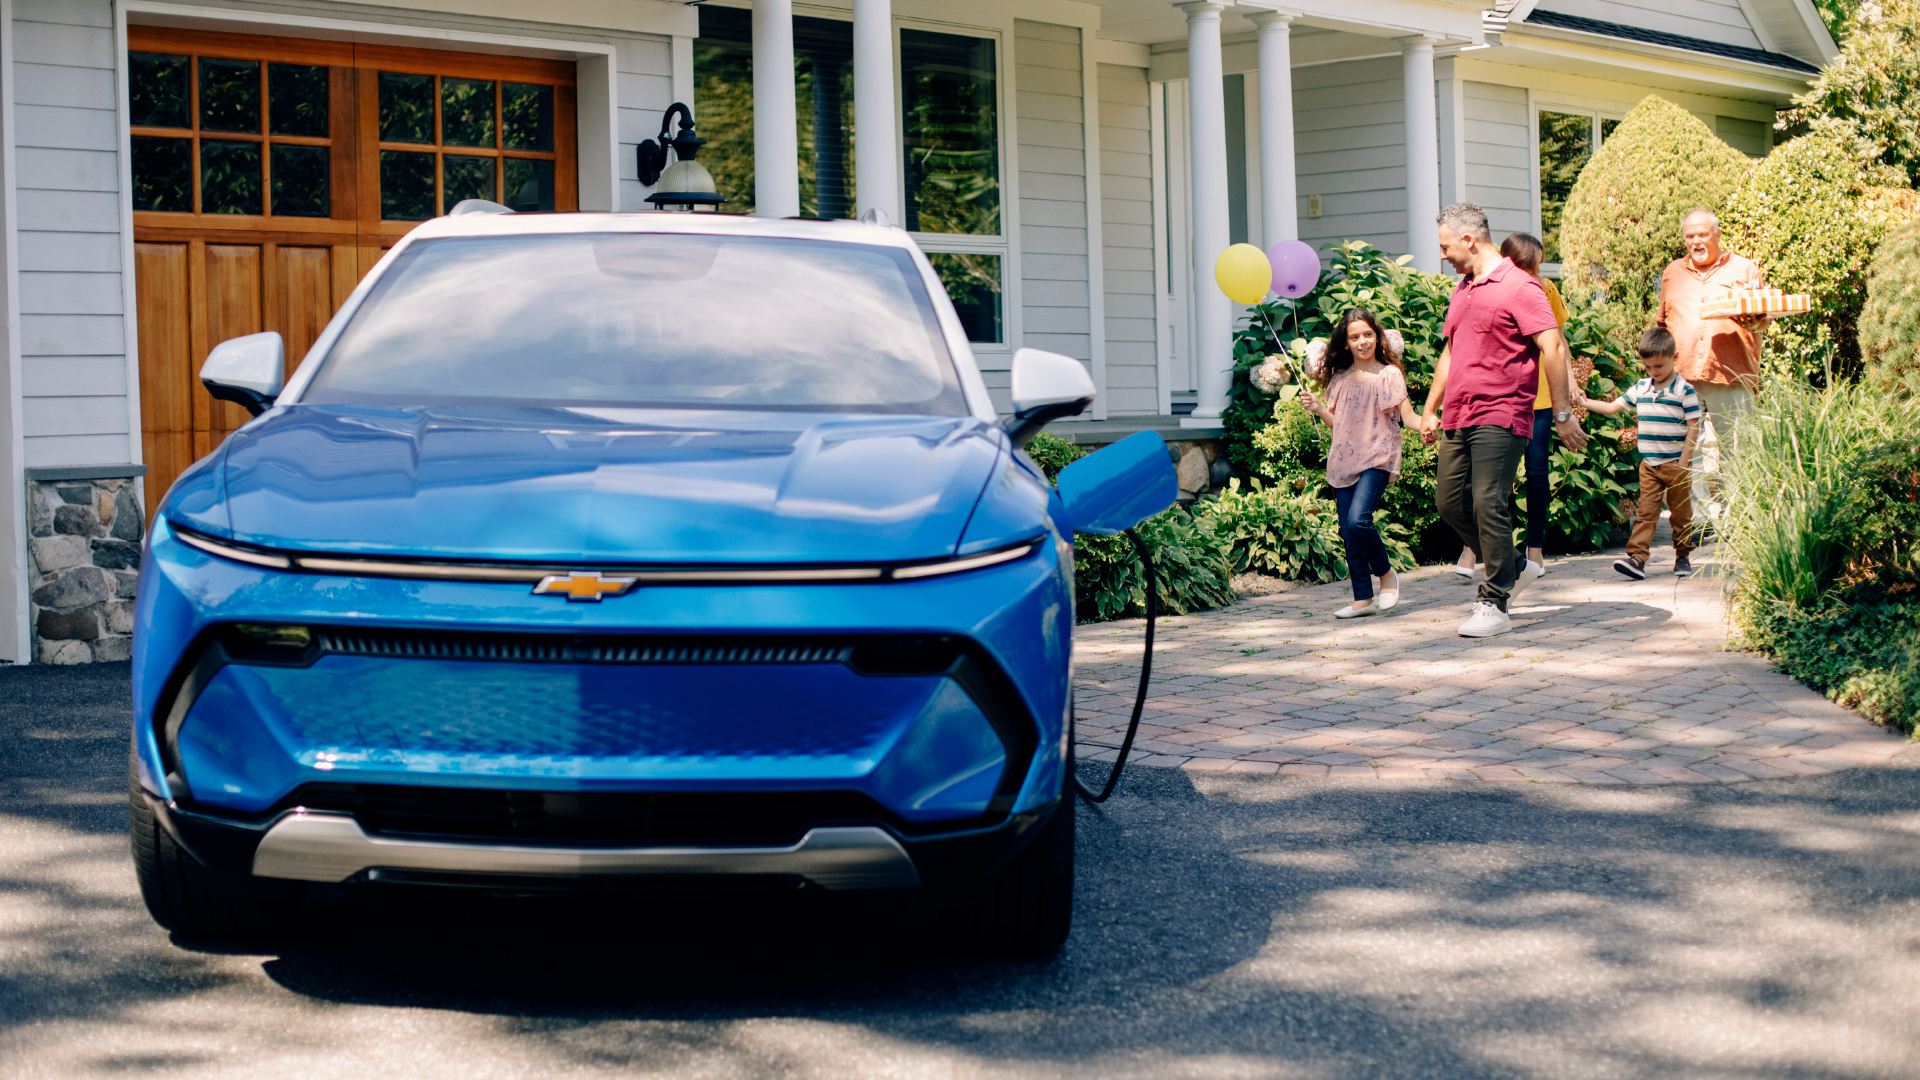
(269,175)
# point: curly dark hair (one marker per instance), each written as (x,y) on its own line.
(1340,358)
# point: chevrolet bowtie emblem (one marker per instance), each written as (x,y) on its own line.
(582,585)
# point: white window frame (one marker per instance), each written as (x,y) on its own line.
(1595,114)
(1000,32)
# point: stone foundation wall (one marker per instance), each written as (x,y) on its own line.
(85,538)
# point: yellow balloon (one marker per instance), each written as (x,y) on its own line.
(1243,273)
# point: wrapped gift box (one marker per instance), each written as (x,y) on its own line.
(1756,302)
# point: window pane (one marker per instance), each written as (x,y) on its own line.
(406,186)
(230,177)
(157,91)
(526,116)
(229,95)
(466,112)
(1566,142)
(529,184)
(973,284)
(163,174)
(467,178)
(823,49)
(406,108)
(951,133)
(723,103)
(1606,130)
(300,181)
(297,100)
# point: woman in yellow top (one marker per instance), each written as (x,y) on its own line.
(1525,251)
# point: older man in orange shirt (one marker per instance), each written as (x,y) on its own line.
(1719,357)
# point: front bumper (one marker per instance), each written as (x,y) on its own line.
(322,846)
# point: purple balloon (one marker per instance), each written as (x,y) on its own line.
(1296,268)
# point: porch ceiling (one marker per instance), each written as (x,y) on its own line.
(1156,22)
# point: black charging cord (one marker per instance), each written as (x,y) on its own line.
(1146,675)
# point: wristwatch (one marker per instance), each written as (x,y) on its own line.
(1563,417)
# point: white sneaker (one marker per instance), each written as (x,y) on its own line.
(1529,574)
(1358,608)
(1487,621)
(1463,571)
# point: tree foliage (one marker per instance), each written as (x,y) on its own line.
(1890,319)
(1865,96)
(1808,215)
(1622,224)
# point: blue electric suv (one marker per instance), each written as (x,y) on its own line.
(623,551)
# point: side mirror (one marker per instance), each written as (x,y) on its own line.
(1119,486)
(248,371)
(1046,387)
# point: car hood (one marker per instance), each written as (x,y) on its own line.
(619,485)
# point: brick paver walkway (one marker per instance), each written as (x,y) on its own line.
(1603,681)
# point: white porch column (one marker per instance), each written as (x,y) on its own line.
(876,152)
(1423,154)
(1279,210)
(1207,131)
(776,136)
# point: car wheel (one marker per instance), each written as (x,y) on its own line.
(195,901)
(1027,907)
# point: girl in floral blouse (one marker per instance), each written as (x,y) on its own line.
(1366,403)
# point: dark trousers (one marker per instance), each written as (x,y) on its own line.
(1473,489)
(1366,554)
(1539,490)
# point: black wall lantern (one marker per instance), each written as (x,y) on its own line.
(686,184)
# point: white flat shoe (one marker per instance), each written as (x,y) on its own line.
(1355,611)
(1463,571)
(1387,598)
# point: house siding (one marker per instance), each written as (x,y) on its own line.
(1708,20)
(73,333)
(1126,216)
(1498,154)
(643,74)
(1050,137)
(1349,148)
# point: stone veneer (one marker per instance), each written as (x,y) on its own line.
(87,525)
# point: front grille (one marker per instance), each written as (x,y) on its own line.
(597,649)
(623,818)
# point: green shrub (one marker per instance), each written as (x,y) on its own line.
(1271,531)
(1053,453)
(1890,319)
(1866,95)
(1291,452)
(1190,562)
(1807,215)
(1864,656)
(1622,222)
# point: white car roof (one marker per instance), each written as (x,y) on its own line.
(508,224)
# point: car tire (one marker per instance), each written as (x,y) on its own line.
(196,901)
(1026,908)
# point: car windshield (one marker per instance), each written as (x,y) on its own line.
(646,320)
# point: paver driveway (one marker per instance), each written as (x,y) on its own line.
(1602,681)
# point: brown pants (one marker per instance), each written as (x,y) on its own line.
(1672,485)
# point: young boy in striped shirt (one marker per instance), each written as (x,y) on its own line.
(1669,415)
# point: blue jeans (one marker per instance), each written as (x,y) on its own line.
(1366,554)
(1539,491)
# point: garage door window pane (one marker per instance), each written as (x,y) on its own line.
(229,95)
(157,90)
(526,116)
(300,181)
(297,100)
(466,112)
(406,108)
(467,178)
(973,284)
(163,174)
(406,186)
(230,178)
(529,184)
(951,133)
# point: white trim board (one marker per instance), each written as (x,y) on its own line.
(16,638)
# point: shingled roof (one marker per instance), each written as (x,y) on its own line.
(1671,41)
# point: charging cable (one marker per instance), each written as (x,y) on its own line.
(1146,675)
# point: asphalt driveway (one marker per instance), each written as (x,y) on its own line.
(1228,926)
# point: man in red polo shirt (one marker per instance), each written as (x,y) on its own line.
(1499,325)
